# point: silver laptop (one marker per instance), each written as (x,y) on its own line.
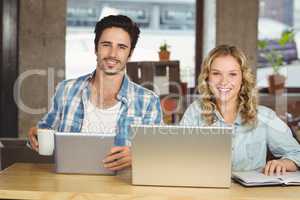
(181,156)
(82,153)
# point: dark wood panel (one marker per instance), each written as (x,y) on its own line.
(8,67)
(143,73)
(14,150)
(199,38)
(287,102)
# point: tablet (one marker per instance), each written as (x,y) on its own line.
(82,153)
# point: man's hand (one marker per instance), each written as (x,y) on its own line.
(118,158)
(280,166)
(32,135)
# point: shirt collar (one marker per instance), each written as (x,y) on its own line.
(86,87)
(237,121)
(123,92)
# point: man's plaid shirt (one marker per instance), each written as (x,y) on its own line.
(138,106)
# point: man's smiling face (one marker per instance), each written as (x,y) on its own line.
(113,50)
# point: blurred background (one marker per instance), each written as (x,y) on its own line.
(44,42)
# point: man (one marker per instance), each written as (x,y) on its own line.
(106,100)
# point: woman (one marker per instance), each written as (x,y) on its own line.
(228,97)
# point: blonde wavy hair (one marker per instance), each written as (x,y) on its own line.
(247,100)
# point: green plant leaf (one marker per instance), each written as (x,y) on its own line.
(164,47)
(275,58)
(262,44)
(286,36)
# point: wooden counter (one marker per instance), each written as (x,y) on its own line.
(38,181)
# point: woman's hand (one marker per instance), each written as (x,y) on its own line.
(279,167)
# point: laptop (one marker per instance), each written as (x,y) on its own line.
(82,153)
(181,156)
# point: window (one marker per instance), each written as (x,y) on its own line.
(177,17)
(160,21)
(276,18)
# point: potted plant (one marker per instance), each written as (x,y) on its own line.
(275,59)
(164,53)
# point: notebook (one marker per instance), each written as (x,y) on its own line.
(82,153)
(181,156)
(257,178)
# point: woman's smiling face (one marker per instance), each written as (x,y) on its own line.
(225,79)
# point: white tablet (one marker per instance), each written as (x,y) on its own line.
(82,153)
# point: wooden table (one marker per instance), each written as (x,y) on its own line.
(38,181)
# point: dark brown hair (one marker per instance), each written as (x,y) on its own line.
(119,21)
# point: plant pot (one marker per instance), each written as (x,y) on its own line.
(276,84)
(164,55)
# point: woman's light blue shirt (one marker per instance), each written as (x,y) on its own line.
(249,145)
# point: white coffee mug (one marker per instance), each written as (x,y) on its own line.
(46,141)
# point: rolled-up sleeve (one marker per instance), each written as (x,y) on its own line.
(52,119)
(281,141)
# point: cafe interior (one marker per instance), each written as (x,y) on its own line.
(35,56)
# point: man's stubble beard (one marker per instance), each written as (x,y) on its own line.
(112,73)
